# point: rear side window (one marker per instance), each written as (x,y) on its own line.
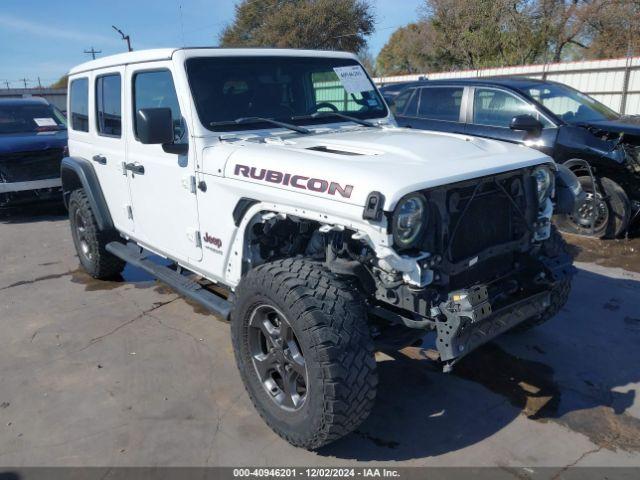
(441,103)
(155,89)
(400,102)
(79,104)
(109,105)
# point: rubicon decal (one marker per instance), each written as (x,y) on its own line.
(296,181)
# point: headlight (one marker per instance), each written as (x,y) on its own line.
(409,220)
(544,183)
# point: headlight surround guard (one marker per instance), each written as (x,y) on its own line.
(409,221)
(545,182)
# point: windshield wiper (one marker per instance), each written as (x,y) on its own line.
(339,115)
(246,120)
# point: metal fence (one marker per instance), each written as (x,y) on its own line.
(55,96)
(614,82)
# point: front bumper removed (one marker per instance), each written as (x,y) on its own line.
(471,322)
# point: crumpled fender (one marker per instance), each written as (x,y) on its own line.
(569,192)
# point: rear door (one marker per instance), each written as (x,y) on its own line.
(97,131)
(492,110)
(163,189)
(436,108)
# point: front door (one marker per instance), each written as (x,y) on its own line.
(492,112)
(162,184)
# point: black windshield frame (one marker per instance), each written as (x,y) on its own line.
(297,68)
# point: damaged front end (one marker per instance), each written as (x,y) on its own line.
(485,262)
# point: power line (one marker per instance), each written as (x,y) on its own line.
(125,37)
(92,52)
(24,80)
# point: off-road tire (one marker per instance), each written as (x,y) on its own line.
(328,317)
(554,246)
(98,262)
(617,203)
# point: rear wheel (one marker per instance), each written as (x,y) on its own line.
(90,242)
(304,351)
(604,214)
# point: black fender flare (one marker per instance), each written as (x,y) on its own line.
(78,172)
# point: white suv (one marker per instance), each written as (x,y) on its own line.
(279,185)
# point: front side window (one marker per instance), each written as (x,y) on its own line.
(441,103)
(569,104)
(79,103)
(497,108)
(155,89)
(289,89)
(30,118)
(109,105)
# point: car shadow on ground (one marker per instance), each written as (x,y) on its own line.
(573,371)
(40,212)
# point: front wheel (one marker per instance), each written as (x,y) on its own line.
(605,213)
(304,351)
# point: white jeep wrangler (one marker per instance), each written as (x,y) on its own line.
(288,201)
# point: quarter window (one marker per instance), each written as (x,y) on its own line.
(109,105)
(400,102)
(155,89)
(79,104)
(441,103)
(497,108)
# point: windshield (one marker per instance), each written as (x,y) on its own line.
(29,118)
(288,89)
(569,104)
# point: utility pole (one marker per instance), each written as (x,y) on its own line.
(24,80)
(124,37)
(92,52)
(39,83)
(6,82)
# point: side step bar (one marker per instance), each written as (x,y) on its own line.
(184,286)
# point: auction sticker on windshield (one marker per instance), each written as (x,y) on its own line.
(45,122)
(353,79)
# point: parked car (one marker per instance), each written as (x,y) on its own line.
(391,90)
(33,141)
(333,232)
(572,127)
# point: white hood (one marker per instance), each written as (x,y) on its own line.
(393,161)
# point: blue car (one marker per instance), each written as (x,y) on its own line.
(33,141)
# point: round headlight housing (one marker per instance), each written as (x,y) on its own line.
(544,183)
(409,221)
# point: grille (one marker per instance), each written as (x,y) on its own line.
(487,219)
(28,166)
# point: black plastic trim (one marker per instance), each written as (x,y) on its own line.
(241,208)
(78,172)
(374,207)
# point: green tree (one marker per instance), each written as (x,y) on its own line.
(408,50)
(319,24)
(61,82)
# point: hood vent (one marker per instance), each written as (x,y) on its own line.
(325,149)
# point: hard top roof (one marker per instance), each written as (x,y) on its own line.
(23,101)
(140,56)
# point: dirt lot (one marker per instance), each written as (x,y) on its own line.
(128,373)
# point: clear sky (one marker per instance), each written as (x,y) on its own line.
(45,38)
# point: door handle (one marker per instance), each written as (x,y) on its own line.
(134,168)
(101,159)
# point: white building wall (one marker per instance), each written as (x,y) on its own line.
(604,80)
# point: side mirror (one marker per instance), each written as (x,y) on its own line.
(526,123)
(154,125)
